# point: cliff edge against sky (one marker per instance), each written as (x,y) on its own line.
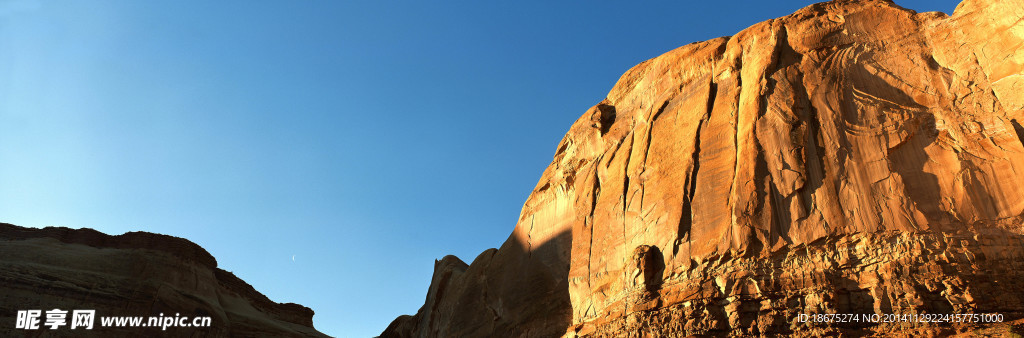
(853,157)
(134,274)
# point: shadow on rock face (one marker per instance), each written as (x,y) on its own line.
(649,265)
(1020,131)
(519,290)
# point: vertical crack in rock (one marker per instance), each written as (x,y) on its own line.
(625,180)
(647,152)
(736,152)
(590,221)
(596,190)
(529,237)
(813,161)
(776,230)
(815,157)
(686,216)
(650,130)
(767,199)
(625,206)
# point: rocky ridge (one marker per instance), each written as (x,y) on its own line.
(133,274)
(853,157)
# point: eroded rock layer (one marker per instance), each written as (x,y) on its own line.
(134,274)
(853,157)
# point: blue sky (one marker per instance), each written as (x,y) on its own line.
(366,138)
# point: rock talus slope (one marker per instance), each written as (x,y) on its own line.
(853,157)
(134,274)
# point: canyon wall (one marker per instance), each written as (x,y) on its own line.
(134,274)
(853,157)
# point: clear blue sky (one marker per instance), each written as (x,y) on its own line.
(366,138)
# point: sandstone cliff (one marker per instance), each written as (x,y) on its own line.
(134,274)
(853,157)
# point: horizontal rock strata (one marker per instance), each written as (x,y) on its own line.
(134,274)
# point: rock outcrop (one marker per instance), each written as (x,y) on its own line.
(134,274)
(854,157)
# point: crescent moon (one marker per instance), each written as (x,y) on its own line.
(293,258)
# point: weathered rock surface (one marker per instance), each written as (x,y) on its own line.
(853,157)
(134,274)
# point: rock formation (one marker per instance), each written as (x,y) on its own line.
(854,157)
(134,274)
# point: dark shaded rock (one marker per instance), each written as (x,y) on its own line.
(134,274)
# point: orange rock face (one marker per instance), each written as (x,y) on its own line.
(854,157)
